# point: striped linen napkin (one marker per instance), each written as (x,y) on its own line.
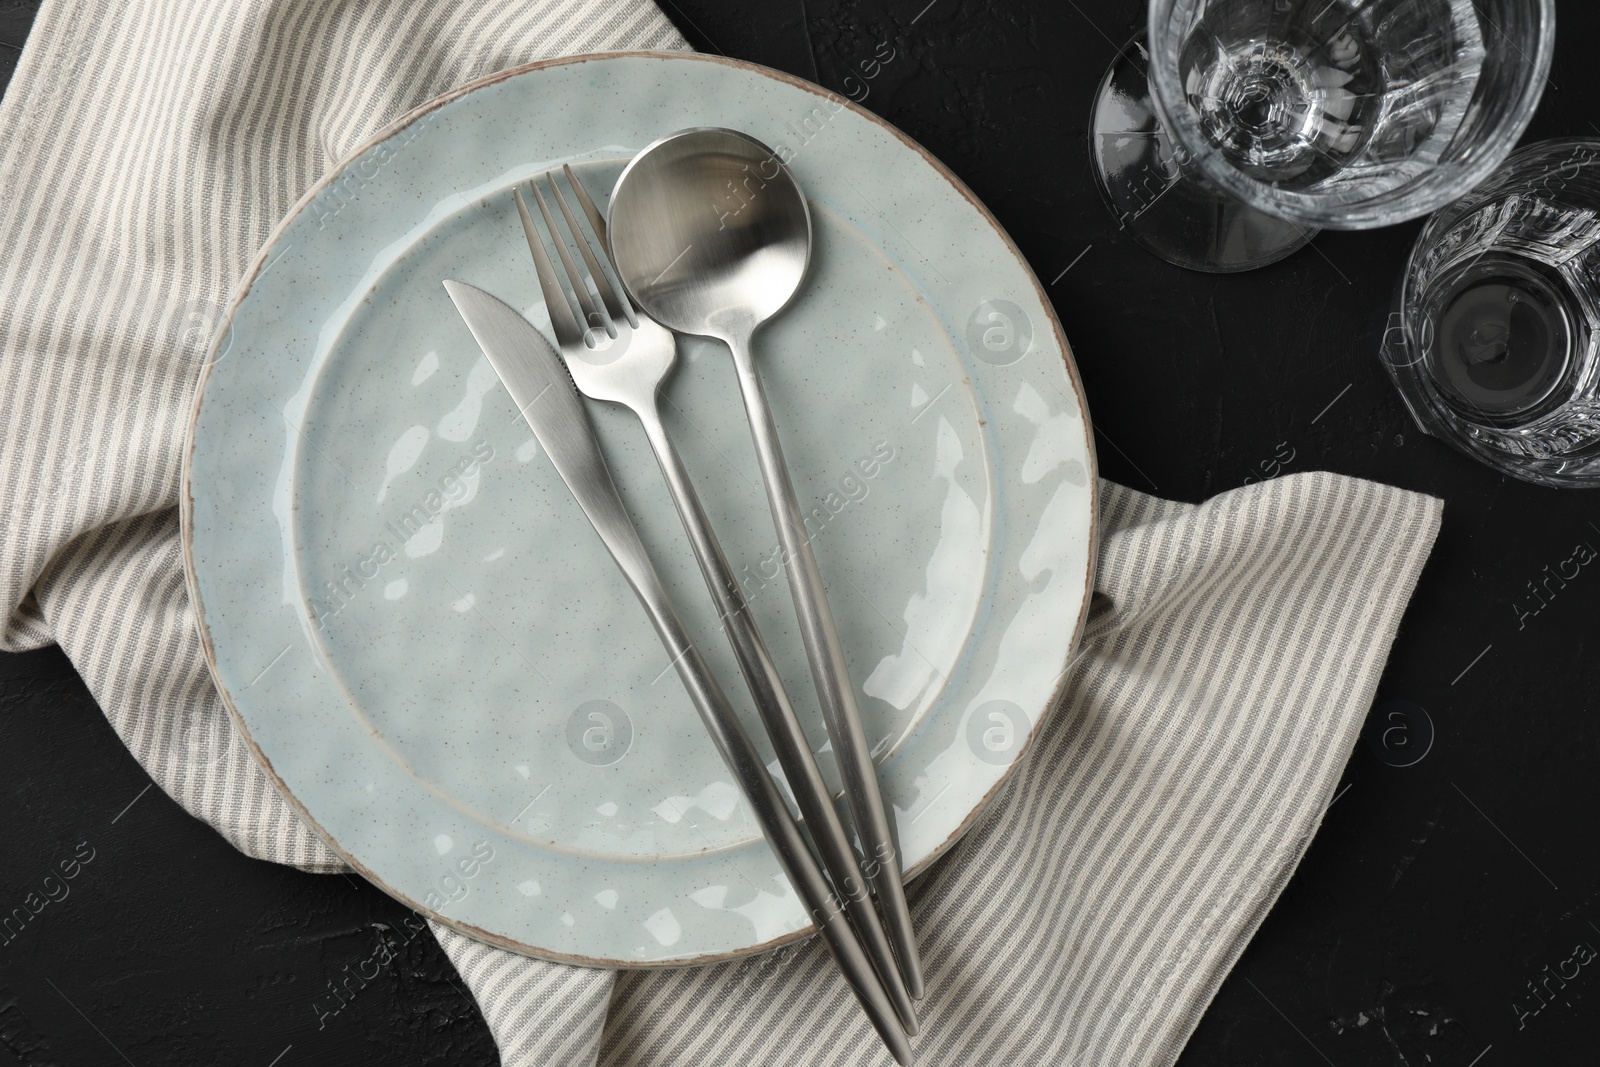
(1090,916)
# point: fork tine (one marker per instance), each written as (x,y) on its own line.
(591,314)
(598,222)
(555,298)
(602,284)
(589,209)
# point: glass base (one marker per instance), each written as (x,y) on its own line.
(1172,213)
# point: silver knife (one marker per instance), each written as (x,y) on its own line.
(534,375)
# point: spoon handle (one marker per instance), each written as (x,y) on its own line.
(788,737)
(830,674)
(781,831)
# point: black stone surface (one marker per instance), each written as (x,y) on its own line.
(1442,915)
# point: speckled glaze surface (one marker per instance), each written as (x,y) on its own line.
(428,648)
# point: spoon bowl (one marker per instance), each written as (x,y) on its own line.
(710,233)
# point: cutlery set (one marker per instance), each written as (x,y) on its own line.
(671,262)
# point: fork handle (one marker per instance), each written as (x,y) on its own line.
(596,493)
(829,672)
(788,737)
(781,831)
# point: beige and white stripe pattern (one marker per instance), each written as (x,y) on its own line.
(146,149)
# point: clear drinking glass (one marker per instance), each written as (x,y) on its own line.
(1493,340)
(1234,129)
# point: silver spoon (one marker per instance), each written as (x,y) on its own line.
(711,236)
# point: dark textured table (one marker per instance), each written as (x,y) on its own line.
(1448,912)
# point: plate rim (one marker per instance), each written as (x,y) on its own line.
(222,338)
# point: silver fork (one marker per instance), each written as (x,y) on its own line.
(638,356)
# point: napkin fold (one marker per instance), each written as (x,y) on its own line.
(1089,917)
(147,148)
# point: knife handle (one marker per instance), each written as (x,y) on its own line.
(597,495)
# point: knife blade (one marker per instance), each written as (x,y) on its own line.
(534,375)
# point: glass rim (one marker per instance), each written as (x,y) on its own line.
(1400,204)
(1489,189)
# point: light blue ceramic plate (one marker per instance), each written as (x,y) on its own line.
(429,650)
